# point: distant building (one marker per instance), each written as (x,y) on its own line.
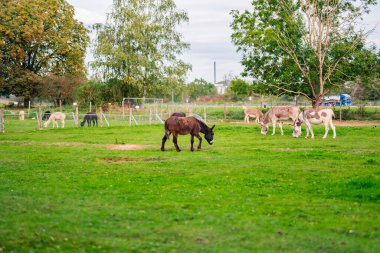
(222,86)
(343,99)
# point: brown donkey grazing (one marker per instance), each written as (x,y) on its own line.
(187,125)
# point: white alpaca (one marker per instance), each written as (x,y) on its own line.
(54,117)
(21,115)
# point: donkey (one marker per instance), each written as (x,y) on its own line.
(314,117)
(46,115)
(187,125)
(90,117)
(55,117)
(252,113)
(178,114)
(279,113)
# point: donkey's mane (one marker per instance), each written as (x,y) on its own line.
(202,125)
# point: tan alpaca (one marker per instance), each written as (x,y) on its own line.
(21,115)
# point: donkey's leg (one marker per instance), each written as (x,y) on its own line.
(200,141)
(333,128)
(326,129)
(192,142)
(175,142)
(280,125)
(274,126)
(163,143)
(164,139)
(308,124)
(63,124)
(307,132)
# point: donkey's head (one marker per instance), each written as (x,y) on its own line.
(209,135)
(264,128)
(297,128)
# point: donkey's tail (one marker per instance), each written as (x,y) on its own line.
(167,131)
(333,115)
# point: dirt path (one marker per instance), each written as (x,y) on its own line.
(356,123)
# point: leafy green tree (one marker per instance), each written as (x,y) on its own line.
(37,38)
(60,88)
(90,91)
(200,87)
(139,46)
(240,87)
(300,47)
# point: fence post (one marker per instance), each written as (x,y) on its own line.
(122,106)
(101,116)
(340,111)
(39,118)
(29,107)
(90,106)
(225,112)
(60,105)
(2,124)
(150,116)
(76,116)
(130,116)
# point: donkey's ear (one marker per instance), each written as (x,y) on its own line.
(212,127)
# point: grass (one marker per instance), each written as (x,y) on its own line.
(62,190)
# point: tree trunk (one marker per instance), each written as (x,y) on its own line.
(26,102)
(315,102)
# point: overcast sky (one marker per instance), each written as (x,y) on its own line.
(208,32)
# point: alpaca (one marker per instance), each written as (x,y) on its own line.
(21,115)
(54,117)
(90,117)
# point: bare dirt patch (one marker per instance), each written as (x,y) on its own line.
(132,159)
(126,147)
(357,123)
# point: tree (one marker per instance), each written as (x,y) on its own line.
(38,38)
(60,88)
(90,91)
(367,85)
(300,47)
(241,88)
(139,45)
(200,87)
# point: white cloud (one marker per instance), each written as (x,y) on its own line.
(89,17)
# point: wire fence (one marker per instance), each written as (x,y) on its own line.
(146,115)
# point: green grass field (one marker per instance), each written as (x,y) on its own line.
(64,190)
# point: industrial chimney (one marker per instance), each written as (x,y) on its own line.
(214,72)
